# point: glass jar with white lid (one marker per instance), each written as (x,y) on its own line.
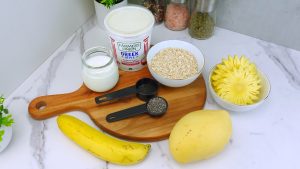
(99,70)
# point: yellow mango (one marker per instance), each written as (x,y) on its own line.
(200,135)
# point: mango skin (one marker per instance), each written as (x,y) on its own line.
(200,135)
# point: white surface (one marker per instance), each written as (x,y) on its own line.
(31,31)
(267,137)
(175,44)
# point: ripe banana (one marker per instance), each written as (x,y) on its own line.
(101,145)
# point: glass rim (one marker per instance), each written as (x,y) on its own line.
(93,50)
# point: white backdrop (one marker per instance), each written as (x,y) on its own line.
(32,30)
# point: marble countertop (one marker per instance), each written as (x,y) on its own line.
(267,137)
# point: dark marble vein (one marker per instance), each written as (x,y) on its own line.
(282,58)
(256,133)
(25,99)
(42,85)
(37,141)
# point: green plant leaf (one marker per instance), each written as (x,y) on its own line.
(0,119)
(7,120)
(5,111)
(1,99)
(1,134)
(108,3)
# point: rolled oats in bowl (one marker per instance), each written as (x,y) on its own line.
(174,63)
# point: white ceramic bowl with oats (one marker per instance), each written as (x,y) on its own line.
(264,93)
(171,71)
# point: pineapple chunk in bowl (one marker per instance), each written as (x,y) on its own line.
(262,95)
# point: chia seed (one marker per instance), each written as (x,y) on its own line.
(157,106)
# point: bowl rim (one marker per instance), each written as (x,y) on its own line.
(196,75)
(239,105)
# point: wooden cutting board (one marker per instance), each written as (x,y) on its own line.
(140,128)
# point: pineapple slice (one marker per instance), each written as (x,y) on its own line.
(236,80)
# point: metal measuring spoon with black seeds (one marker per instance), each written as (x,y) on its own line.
(156,106)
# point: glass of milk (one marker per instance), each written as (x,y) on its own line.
(99,70)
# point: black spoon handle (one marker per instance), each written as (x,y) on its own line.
(116,95)
(123,114)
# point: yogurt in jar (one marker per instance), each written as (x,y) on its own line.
(99,71)
(129,29)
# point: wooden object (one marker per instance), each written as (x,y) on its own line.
(140,128)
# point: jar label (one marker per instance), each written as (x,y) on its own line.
(130,56)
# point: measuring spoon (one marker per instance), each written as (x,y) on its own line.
(156,106)
(144,89)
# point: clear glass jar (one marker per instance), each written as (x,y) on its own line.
(99,70)
(177,15)
(203,19)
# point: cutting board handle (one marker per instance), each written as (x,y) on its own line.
(52,105)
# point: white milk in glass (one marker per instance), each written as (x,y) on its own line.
(99,70)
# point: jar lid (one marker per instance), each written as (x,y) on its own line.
(178,1)
(206,5)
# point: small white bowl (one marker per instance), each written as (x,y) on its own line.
(175,44)
(264,93)
(6,138)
